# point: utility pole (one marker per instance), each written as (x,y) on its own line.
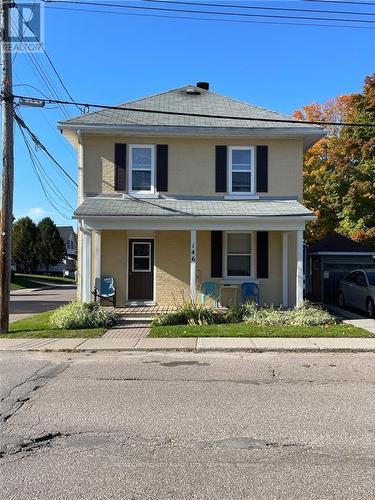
(6,221)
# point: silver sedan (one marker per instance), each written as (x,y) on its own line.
(357,290)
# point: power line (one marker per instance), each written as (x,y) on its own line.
(38,173)
(210,19)
(254,7)
(48,57)
(41,146)
(198,115)
(218,13)
(337,1)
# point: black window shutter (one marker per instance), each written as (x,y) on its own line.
(162,167)
(262,254)
(120,167)
(221,169)
(262,169)
(216,254)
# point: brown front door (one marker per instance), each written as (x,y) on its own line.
(141,270)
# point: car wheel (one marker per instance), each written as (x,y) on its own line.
(341,300)
(370,307)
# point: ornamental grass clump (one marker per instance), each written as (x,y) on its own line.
(190,314)
(264,316)
(77,315)
(309,315)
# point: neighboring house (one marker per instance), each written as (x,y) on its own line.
(167,202)
(329,260)
(68,265)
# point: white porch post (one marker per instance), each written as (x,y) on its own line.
(98,257)
(285,270)
(86,265)
(193,265)
(299,270)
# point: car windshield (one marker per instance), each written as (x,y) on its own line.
(371,278)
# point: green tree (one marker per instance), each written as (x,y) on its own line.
(51,247)
(24,245)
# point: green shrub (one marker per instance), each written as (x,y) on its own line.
(190,314)
(77,315)
(264,316)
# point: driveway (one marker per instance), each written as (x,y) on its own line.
(29,301)
(183,426)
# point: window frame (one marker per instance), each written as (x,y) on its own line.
(252,171)
(131,169)
(148,243)
(252,256)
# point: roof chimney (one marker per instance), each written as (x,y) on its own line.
(203,85)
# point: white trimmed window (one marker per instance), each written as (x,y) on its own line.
(141,168)
(241,170)
(238,255)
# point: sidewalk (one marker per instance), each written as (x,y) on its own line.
(255,344)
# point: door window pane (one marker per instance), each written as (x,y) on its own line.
(141,249)
(141,264)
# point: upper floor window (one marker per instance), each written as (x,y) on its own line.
(241,170)
(141,168)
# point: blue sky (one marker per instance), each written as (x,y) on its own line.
(110,59)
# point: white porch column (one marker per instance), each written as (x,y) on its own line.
(299,271)
(86,287)
(193,265)
(285,270)
(98,257)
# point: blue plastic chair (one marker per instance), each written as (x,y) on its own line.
(249,290)
(105,289)
(212,290)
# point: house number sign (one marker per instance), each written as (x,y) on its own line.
(193,257)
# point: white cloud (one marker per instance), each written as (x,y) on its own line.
(37,213)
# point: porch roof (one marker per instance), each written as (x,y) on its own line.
(102,206)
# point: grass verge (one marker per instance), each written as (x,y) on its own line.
(243,330)
(34,280)
(38,326)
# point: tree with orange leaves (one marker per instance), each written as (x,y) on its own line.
(339,170)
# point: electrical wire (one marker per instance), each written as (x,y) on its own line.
(210,19)
(199,115)
(48,57)
(254,7)
(37,142)
(218,13)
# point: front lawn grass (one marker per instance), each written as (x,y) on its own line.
(34,281)
(245,330)
(39,326)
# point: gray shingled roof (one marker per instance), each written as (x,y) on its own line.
(102,206)
(179,100)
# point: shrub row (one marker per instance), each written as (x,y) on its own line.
(196,314)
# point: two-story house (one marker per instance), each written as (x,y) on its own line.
(171,196)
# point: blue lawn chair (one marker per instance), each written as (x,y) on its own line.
(105,289)
(212,290)
(249,290)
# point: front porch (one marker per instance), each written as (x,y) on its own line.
(179,261)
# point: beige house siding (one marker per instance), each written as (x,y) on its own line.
(172,266)
(172,262)
(192,163)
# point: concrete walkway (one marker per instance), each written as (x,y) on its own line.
(129,328)
(365,323)
(255,344)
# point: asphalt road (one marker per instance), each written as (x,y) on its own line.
(187,426)
(26,302)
